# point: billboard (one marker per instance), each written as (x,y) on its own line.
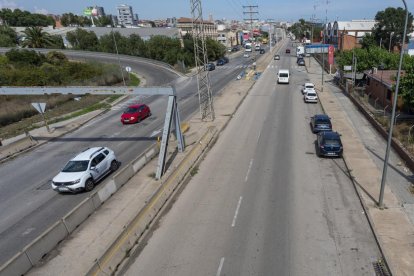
(87,11)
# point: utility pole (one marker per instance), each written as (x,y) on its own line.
(205,96)
(323,42)
(251,12)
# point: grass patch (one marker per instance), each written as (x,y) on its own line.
(194,171)
(133,80)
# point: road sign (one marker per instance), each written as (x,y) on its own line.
(128,69)
(40,107)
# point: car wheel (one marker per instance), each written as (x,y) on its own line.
(114,165)
(89,184)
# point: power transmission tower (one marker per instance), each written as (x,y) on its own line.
(251,12)
(203,80)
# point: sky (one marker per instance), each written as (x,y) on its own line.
(280,10)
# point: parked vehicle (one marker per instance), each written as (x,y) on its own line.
(321,122)
(210,66)
(310,97)
(276,57)
(220,62)
(84,171)
(135,114)
(328,143)
(262,51)
(283,76)
(301,62)
(308,86)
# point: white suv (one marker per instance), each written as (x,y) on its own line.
(83,171)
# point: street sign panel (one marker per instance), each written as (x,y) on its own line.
(40,107)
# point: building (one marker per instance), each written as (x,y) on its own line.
(125,16)
(346,35)
(185,25)
(379,85)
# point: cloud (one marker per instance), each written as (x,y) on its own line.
(40,10)
(4,4)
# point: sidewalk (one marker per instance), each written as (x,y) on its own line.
(391,225)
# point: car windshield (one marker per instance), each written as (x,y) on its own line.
(76,166)
(131,110)
(322,121)
(283,75)
(332,142)
(311,94)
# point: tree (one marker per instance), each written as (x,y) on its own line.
(83,40)
(368,41)
(25,57)
(19,18)
(406,88)
(8,36)
(390,26)
(69,19)
(36,38)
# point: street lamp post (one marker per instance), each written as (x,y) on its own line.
(394,106)
(389,46)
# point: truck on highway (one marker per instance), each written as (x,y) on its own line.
(300,50)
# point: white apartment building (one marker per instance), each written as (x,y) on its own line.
(125,15)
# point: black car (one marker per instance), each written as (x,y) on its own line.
(210,66)
(262,51)
(328,143)
(225,59)
(220,62)
(321,122)
(299,60)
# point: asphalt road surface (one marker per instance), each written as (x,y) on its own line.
(262,202)
(29,205)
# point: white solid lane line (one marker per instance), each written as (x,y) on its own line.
(248,170)
(220,267)
(237,212)
(258,137)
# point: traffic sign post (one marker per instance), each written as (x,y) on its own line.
(40,107)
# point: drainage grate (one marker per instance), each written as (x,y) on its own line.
(380,268)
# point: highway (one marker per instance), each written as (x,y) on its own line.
(271,207)
(28,204)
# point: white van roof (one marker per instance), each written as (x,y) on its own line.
(283,71)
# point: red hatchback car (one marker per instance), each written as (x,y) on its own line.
(135,114)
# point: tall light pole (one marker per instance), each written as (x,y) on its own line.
(394,106)
(389,47)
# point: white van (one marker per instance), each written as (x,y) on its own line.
(283,76)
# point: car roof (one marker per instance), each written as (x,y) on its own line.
(309,84)
(87,153)
(321,116)
(331,134)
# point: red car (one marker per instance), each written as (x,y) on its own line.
(288,51)
(135,114)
